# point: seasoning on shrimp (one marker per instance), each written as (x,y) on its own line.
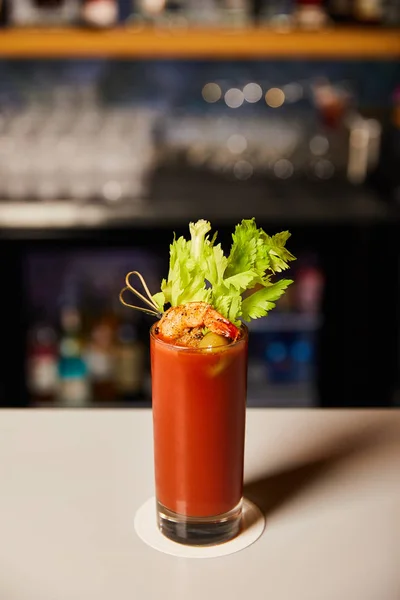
(184,325)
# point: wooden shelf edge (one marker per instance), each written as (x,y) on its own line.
(198,43)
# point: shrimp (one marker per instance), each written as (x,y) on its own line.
(184,324)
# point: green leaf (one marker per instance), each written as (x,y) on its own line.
(214,265)
(222,303)
(198,232)
(185,278)
(194,290)
(228,304)
(244,248)
(259,303)
(235,309)
(159,300)
(166,289)
(278,254)
(241,281)
(249,251)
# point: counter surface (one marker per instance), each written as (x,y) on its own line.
(328,481)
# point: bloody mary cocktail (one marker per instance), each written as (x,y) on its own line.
(199,372)
(199,402)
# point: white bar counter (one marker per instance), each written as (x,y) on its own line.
(71,482)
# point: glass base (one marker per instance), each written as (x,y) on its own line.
(199,531)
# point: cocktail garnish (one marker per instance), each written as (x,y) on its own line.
(240,286)
(149,300)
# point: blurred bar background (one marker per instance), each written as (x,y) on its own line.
(122,121)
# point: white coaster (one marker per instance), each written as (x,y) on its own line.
(146,527)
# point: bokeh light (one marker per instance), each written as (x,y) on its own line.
(234,98)
(252,92)
(211,92)
(236,143)
(275,97)
(319,145)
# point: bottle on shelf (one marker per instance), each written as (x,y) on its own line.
(310,14)
(42,361)
(152,10)
(130,363)
(183,12)
(100,14)
(235,13)
(332,103)
(73,387)
(368,12)
(43,12)
(100,359)
(276,13)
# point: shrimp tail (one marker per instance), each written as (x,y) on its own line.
(218,324)
(234,332)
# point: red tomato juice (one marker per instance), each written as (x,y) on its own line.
(199,407)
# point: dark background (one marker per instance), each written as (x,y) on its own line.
(349,230)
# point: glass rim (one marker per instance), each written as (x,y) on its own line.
(243,338)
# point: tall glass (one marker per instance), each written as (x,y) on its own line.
(199,408)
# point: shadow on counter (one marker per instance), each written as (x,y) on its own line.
(279,488)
